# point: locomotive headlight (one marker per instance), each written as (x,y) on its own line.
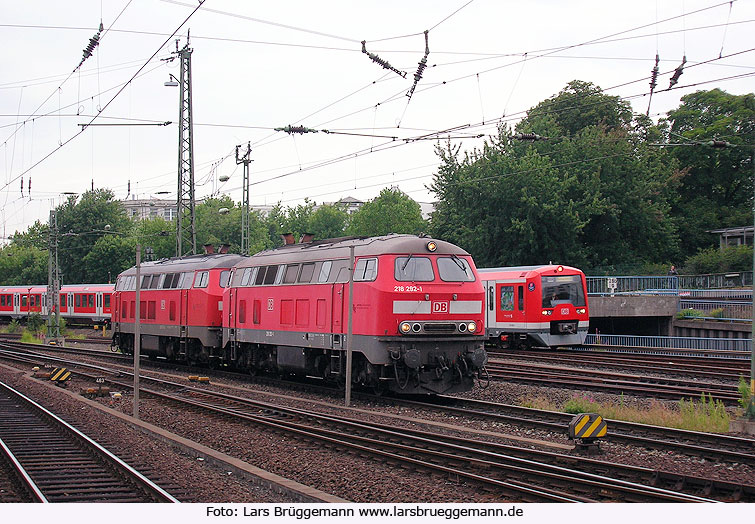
(405,327)
(472,327)
(547,312)
(462,327)
(432,246)
(581,310)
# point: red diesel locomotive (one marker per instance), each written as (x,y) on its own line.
(180,307)
(543,306)
(417,313)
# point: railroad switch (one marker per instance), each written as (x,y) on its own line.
(585,429)
(195,378)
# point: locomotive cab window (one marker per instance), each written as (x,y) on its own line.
(202,279)
(454,269)
(365,270)
(507,298)
(414,269)
(224,278)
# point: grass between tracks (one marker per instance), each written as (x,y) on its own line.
(704,414)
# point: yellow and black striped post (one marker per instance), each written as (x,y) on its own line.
(60,376)
(585,429)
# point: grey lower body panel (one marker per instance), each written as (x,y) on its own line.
(208,336)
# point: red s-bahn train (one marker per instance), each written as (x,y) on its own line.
(535,306)
(418,317)
(79,302)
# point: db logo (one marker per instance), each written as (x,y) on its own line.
(440,307)
(270,303)
(564,310)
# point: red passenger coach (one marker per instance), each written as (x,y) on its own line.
(78,302)
(180,307)
(536,305)
(417,313)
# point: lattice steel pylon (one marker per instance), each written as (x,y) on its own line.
(53,282)
(186,233)
(244,159)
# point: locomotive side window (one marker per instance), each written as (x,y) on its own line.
(366,270)
(454,269)
(224,277)
(187,279)
(156,281)
(307,270)
(245,274)
(279,274)
(202,279)
(292,271)
(507,298)
(324,271)
(414,269)
(270,273)
(260,278)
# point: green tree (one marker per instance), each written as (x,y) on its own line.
(392,211)
(592,194)
(716,190)
(23,265)
(328,221)
(109,256)
(81,224)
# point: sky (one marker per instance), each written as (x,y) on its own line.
(257,66)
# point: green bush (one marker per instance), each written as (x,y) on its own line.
(30,338)
(715,260)
(14,326)
(689,313)
(576,405)
(717,313)
(35,323)
(744,391)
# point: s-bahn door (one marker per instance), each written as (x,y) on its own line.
(509,299)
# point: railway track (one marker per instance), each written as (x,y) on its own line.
(611,382)
(499,468)
(725,369)
(57,463)
(708,446)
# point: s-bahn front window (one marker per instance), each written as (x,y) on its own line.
(565,289)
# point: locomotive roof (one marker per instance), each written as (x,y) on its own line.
(338,248)
(190,263)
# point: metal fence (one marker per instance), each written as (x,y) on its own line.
(634,285)
(646,342)
(661,285)
(728,309)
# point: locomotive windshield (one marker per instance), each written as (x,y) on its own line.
(414,269)
(454,269)
(565,289)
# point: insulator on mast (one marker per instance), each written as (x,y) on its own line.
(653,81)
(529,137)
(93,42)
(375,58)
(22,186)
(420,68)
(677,73)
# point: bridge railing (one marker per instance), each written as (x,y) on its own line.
(661,285)
(719,309)
(658,342)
